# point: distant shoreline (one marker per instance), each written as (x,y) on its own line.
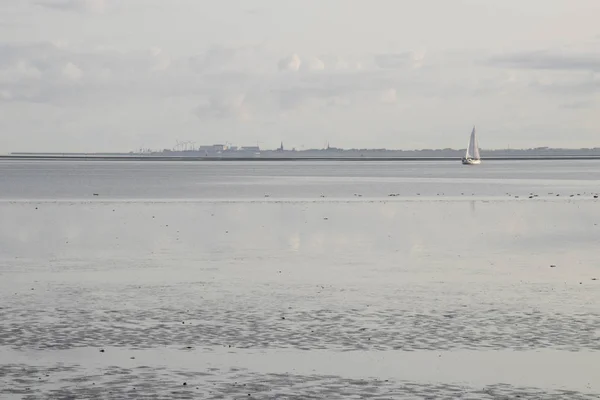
(259,159)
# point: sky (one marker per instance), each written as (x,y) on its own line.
(120,75)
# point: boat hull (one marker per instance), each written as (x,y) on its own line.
(470,161)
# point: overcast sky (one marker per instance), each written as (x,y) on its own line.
(117,75)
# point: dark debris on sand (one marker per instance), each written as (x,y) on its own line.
(160,383)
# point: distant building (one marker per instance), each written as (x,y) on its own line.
(213,148)
(329,148)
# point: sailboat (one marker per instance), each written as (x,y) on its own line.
(472,155)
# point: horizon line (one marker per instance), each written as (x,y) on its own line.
(293,150)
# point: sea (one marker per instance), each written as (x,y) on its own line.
(299,279)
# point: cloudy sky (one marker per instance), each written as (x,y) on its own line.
(117,75)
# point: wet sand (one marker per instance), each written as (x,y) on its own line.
(318,297)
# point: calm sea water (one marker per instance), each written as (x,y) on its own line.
(299,280)
(293,180)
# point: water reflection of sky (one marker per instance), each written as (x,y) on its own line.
(397,233)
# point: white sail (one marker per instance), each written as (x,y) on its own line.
(468,153)
(473,147)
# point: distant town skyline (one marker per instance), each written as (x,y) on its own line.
(183,146)
(186,149)
(109,75)
(193,146)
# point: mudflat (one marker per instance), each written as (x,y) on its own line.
(316,280)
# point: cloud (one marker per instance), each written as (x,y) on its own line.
(225,106)
(290,99)
(214,58)
(548,60)
(392,61)
(235,82)
(231,84)
(389,96)
(341,64)
(411,59)
(290,63)
(224,82)
(418,58)
(155,51)
(72,72)
(161,60)
(18,71)
(5,95)
(561,87)
(578,105)
(333,88)
(313,64)
(339,101)
(40,72)
(248,58)
(93,6)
